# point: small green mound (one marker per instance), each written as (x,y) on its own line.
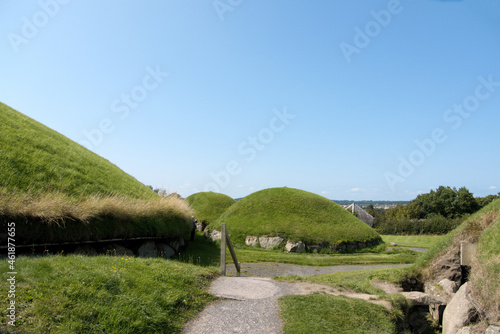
(297,215)
(209,206)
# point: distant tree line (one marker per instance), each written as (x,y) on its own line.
(436,212)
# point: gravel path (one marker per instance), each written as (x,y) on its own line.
(250,304)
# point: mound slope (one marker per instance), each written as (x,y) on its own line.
(209,206)
(295,214)
(35,158)
(55,190)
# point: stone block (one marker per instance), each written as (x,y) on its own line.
(251,240)
(459,312)
(270,242)
(295,247)
(148,249)
(165,250)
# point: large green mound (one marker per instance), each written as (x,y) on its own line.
(55,190)
(35,158)
(209,206)
(297,215)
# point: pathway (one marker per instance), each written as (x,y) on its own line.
(250,304)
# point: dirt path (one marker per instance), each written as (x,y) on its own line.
(250,304)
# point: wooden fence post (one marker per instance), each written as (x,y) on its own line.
(223,250)
(223,242)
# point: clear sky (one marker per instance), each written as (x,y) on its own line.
(369,99)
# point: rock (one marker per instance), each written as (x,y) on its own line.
(449,286)
(148,249)
(295,247)
(459,312)
(421,298)
(393,244)
(270,242)
(215,235)
(120,250)
(251,240)
(165,250)
(444,290)
(177,244)
(492,329)
(465,330)
(87,250)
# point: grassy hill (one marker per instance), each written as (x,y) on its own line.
(38,159)
(56,190)
(483,229)
(208,206)
(297,215)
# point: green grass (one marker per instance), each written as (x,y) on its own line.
(78,294)
(418,241)
(37,159)
(260,255)
(297,215)
(209,206)
(485,274)
(205,252)
(319,313)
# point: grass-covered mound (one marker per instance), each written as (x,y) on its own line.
(209,206)
(38,159)
(56,190)
(297,215)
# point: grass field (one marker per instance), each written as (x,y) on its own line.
(297,215)
(105,294)
(258,255)
(418,241)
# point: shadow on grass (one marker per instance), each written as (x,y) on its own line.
(202,252)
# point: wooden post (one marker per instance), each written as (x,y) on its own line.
(223,250)
(233,255)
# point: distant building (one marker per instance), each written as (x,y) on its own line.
(362,215)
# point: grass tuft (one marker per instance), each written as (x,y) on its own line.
(56,217)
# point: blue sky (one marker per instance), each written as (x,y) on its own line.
(377,100)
